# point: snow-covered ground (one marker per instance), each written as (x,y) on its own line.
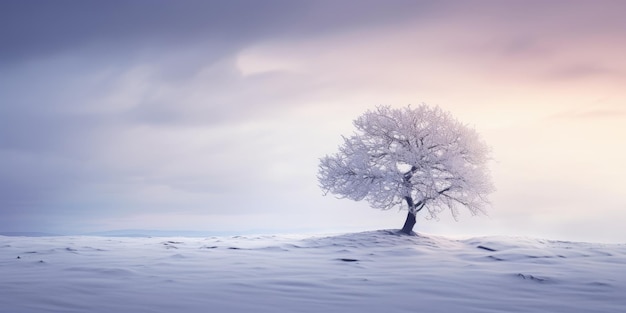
(362,272)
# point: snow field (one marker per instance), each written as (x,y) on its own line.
(374,271)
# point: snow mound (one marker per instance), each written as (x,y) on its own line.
(377,271)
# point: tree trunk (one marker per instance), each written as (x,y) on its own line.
(409,223)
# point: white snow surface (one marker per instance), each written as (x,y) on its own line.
(375,271)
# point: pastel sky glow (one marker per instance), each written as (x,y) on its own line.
(200,115)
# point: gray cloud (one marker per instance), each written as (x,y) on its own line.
(29,29)
(121,109)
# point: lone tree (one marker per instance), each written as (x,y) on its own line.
(419,156)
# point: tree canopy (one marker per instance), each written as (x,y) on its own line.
(420,156)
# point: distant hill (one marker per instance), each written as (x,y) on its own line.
(27,234)
(136,233)
(157,233)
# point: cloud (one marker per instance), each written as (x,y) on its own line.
(31,30)
(125,142)
(148,112)
(585,71)
(41,29)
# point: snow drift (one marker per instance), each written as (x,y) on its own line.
(364,272)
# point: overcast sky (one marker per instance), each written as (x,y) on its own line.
(212,115)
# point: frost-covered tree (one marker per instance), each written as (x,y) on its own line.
(419,156)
